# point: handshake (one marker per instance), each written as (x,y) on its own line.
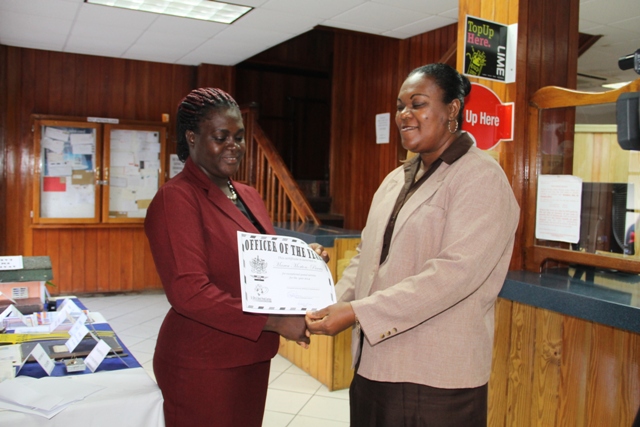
(329,321)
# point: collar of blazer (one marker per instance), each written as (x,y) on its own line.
(457,149)
(221,201)
(454,152)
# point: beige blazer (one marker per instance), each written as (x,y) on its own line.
(427,312)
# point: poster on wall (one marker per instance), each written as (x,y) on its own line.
(68,172)
(487,118)
(134,167)
(558,208)
(490,50)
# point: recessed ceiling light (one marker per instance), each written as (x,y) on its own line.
(615,85)
(206,10)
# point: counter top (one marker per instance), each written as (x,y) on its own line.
(611,299)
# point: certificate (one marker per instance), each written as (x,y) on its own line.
(282,275)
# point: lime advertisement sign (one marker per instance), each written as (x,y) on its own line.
(489,50)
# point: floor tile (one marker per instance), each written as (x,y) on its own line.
(276,419)
(302,421)
(143,357)
(128,340)
(297,383)
(326,408)
(286,401)
(273,375)
(336,394)
(145,346)
(293,369)
(280,364)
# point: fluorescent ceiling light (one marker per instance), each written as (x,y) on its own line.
(615,85)
(206,10)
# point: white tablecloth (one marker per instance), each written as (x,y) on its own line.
(130,399)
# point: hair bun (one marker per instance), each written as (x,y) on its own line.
(465,86)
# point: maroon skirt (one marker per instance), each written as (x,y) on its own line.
(227,397)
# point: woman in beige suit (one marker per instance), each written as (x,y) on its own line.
(434,253)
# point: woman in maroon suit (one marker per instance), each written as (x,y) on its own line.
(211,359)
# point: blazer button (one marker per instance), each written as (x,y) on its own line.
(382,336)
(388,333)
(395,330)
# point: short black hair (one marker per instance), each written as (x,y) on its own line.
(453,84)
(193,108)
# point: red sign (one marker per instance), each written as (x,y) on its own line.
(487,118)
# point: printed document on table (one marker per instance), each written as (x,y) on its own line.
(282,275)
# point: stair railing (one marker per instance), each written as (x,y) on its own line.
(264,169)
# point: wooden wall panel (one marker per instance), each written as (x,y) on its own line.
(573,390)
(4,113)
(108,259)
(547,377)
(561,371)
(217,76)
(92,260)
(363,86)
(498,390)
(367,74)
(429,47)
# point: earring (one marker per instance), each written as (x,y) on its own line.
(449,126)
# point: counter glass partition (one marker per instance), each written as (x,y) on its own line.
(585,187)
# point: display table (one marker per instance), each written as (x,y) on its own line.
(129,397)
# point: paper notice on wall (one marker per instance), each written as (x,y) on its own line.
(383,123)
(55,133)
(81,139)
(53,145)
(558,208)
(175,165)
(122,158)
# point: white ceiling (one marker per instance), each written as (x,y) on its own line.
(76,27)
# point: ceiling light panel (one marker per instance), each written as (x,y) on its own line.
(206,10)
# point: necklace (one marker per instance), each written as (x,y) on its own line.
(234,196)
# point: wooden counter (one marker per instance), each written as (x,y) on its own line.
(566,350)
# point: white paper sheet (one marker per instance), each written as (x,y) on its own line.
(282,275)
(558,208)
(45,396)
(129,398)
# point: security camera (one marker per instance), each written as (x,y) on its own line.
(630,61)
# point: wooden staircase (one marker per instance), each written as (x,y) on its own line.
(264,169)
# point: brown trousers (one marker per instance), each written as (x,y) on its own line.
(382,404)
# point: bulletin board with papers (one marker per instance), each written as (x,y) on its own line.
(66,171)
(134,171)
(96,172)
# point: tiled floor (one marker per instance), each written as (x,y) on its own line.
(294,399)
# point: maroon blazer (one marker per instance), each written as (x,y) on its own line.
(191,226)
